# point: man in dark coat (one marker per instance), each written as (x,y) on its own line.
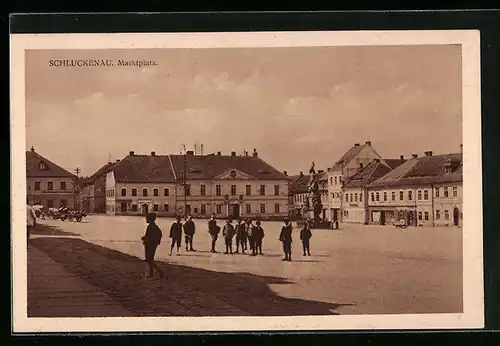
(189,230)
(257,235)
(214,230)
(305,236)
(286,239)
(176,235)
(248,231)
(151,240)
(240,236)
(228,233)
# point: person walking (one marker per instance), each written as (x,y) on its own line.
(176,235)
(305,236)
(228,233)
(286,239)
(214,230)
(189,230)
(258,235)
(240,236)
(151,241)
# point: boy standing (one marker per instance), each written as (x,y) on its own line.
(286,239)
(214,230)
(228,233)
(258,235)
(176,235)
(239,230)
(189,229)
(151,240)
(305,235)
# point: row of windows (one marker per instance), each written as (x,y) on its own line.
(335,181)
(218,191)
(203,208)
(349,197)
(50,186)
(421,194)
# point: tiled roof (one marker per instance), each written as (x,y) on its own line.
(169,168)
(299,184)
(101,171)
(39,166)
(456,176)
(210,166)
(367,175)
(348,156)
(393,163)
(418,171)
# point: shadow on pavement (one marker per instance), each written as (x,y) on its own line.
(186,291)
(41,229)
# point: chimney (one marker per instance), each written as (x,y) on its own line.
(117,160)
(233,153)
(301,174)
(255,153)
(414,156)
(356,145)
(377,160)
(131,153)
(153,153)
(429,153)
(218,153)
(461,149)
(361,165)
(33,149)
(368,143)
(402,158)
(189,152)
(246,153)
(285,173)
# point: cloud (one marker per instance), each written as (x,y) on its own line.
(91,99)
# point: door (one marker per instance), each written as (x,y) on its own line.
(410,218)
(382,218)
(235,211)
(145,209)
(335,215)
(456,217)
(123,207)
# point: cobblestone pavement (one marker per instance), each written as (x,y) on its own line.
(367,269)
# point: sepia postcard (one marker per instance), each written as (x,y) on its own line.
(249,181)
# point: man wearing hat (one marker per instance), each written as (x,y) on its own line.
(257,235)
(189,230)
(213,230)
(286,239)
(249,229)
(176,235)
(228,233)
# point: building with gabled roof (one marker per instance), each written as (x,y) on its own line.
(411,192)
(199,185)
(93,190)
(47,183)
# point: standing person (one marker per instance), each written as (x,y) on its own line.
(228,233)
(239,230)
(176,235)
(258,235)
(214,230)
(286,239)
(249,231)
(31,220)
(151,240)
(305,235)
(244,240)
(189,230)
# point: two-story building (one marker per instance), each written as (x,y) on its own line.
(48,184)
(408,191)
(299,185)
(357,157)
(199,185)
(448,198)
(93,190)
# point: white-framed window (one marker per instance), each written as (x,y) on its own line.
(203,189)
(446,192)
(426,195)
(233,190)
(263,208)
(218,191)
(455,191)
(166,192)
(249,208)
(446,214)
(438,214)
(262,190)
(155,192)
(124,192)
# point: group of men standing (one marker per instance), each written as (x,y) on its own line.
(246,233)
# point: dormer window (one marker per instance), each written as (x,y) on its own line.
(42,166)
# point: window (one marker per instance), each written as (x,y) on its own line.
(134,193)
(385,196)
(155,207)
(373,197)
(347,197)
(248,190)
(218,209)
(37,185)
(335,180)
(355,197)
(352,199)
(144,192)
(333,195)
(165,207)
(331,181)
(426,216)
(277,208)
(50,203)
(361,197)
(455,191)
(426,195)
(203,190)
(438,214)
(50,186)
(393,196)
(263,208)
(233,190)
(166,192)
(377,196)
(410,195)
(437,192)
(263,190)
(419,195)
(203,209)
(196,210)
(63,185)
(155,192)
(187,189)
(446,192)
(134,206)
(446,215)
(420,216)
(249,208)
(217,191)
(276,190)
(124,192)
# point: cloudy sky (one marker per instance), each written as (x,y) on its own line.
(294,105)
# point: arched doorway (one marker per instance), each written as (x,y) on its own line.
(456,217)
(145,209)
